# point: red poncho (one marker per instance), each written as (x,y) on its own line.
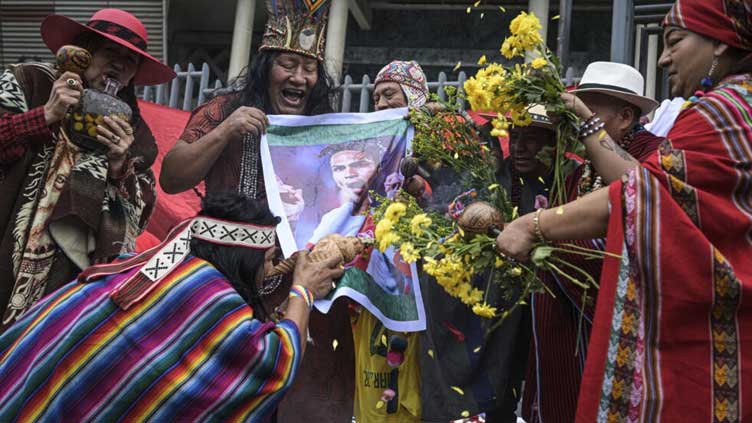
(672,334)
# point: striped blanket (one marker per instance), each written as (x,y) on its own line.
(189,351)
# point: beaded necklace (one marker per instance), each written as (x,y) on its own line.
(249,164)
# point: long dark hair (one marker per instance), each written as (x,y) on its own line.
(239,265)
(254,84)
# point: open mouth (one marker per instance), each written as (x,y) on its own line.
(293,96)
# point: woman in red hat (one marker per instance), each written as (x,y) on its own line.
(66,207)
(672,332)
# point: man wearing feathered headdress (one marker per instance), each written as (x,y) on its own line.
(220,146)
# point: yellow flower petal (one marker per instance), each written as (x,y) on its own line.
(465,414)
(476,350)
(482,60)
(468,9)
(457,67)
(335,343)
(383,340)
(538,63)
(395,211)
(457,390)
(380,404)
(430,353)
(477,3)
(556,18)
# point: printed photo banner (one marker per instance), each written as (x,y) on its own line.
(318,171)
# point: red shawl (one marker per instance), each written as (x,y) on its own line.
(672,335)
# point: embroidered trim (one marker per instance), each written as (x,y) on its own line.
(725,333)
(674,163)
(167,256)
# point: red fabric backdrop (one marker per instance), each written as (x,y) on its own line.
(167,125)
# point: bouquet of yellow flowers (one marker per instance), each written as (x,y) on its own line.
(452,256)
(511,90)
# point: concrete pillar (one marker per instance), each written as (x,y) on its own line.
(540,8)
(622,31)
(565,29)
(242,35)
(652,61)
(336,35)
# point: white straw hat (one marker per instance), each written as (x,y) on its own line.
(616,80)
(540,116)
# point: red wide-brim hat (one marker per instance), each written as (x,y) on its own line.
(116,25)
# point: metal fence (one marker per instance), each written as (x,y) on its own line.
(192,88)
(181,91)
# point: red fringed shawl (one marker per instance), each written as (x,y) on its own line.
(672,335)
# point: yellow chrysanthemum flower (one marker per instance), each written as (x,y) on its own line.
(384,226)
(387,240)
(419,223)
(476,296)
(503,133)
(521,118)
(499,262)
(525,36)
(395,211)
(508,49)
(539,63)
(408,252)
(484,310)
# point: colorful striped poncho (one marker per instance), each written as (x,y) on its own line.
(188,351)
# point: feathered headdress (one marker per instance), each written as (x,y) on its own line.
(297,26)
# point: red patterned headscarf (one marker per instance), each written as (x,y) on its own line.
(410,76)
(728,21)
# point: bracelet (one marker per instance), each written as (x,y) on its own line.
(300,291)
(589,123)
(592,130)
(536,226)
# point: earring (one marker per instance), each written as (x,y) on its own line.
(707,82)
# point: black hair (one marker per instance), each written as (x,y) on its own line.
(91,41)
(239,265)
(254,85)
(373,148)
